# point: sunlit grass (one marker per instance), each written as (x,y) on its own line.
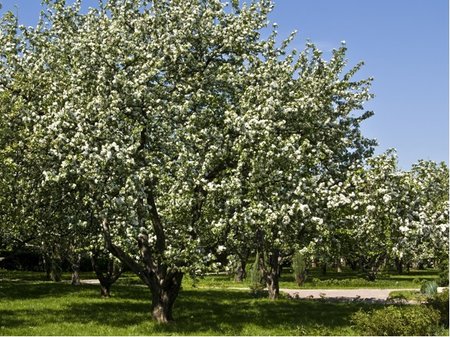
(45,308)
(206,306)
(331,280)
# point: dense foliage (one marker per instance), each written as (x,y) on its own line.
(176,136)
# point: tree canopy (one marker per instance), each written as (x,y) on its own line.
(177,132)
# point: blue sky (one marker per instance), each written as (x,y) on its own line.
(404,44)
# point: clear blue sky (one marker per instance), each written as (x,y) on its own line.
(404,44)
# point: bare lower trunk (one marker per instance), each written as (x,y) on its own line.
(399,265)
(240,274)
(272,275)
(105,289)
(76,270)
(273,286)
(338,266)
(47,266)
(163,296)
(164,284)
(107,278)
(373,267)
(55,269)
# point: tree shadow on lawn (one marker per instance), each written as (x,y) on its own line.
(195,312)
(213,312)
(26,290)
(230,312)
(9,319)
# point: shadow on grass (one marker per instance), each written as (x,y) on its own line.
(230,312)
(196,311)
(24,291)
(9,319)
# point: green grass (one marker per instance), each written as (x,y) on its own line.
(409,295)
(31,306)
(45,308)
(332,280)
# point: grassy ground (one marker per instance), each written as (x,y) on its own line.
(332,280)
(31,306)
(44,308)
(409,295)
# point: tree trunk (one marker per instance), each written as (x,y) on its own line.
(353,264)
(163,296)
(108,278)
(76,270)
(47,266)
(105,289)
(273,286)
(279,270)
(164,285)
(399,265)
(240,274)
(272,278)
(420,265)
(338,265)
(324,268)
(55,267)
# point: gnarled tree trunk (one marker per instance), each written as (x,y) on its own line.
(108,278)
(55,265)
(76,270)
(399,265)
(164,295)
(272,275)
(240,273)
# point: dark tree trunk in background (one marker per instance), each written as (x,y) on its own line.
(399,265)
(280,267)
(107,278)
(76,262)
(271,275)
(373,265)
(105,289)
(353,264)
(240,273)
(338,265)
(55,265)
(47,266)
(324,268)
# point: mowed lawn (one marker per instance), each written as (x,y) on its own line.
(45,308)
(29,305)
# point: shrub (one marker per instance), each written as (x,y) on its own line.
(440,303)
(429,288)
(410,320)
(299,268)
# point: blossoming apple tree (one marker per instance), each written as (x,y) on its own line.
(382,214)
(165,123)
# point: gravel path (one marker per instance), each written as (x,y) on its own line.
(378,294)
